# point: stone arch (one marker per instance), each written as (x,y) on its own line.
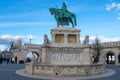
(24,52)
(33,54)
(118,58)
(110,57)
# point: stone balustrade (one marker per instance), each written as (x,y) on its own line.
(109,44)
(64,70)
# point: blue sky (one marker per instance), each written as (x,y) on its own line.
(32,19)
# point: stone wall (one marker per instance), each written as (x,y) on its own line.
(65,55)
(64,70)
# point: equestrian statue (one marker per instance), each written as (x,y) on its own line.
(63,16)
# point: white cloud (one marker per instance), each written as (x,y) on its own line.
(10,37)
(118,6)
(103,39)
(30,36)
(110,6)
(7,39)
(113,5)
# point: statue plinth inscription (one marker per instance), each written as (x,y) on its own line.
(66,55)
(65,58)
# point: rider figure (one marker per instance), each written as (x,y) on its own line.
(64,9)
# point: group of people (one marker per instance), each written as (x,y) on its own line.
(7,60)
(2,60)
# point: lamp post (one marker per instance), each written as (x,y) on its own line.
(30,40)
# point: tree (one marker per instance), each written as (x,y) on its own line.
(12,46)
(96,48)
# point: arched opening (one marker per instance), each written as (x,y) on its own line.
(31,57)
(119,58)
(110,58)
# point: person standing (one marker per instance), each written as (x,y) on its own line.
(8,60)
(15,59)
(0,59)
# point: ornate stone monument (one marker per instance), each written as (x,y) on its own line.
(65,55)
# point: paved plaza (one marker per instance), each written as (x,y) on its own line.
(7,72)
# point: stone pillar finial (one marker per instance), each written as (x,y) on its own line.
(86,40)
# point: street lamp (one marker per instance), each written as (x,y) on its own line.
(30,40)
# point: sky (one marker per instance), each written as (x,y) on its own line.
(27,19)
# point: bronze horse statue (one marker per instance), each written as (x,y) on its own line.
(63,18)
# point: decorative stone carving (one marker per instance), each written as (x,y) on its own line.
(86,40)
(71,38)
(39,59)
(65,58)
(59,38)
(46,40)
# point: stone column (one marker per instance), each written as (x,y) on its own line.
(116,59)
(65,38)
(85,56)
(29,69)
(43,55)
(78,39)
(53,38)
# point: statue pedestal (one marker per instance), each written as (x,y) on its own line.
(65,56)
(66,48)
(65,36)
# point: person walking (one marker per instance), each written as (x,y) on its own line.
(0,59)
(8,60)
(15,59)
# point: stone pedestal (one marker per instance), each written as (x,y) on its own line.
(65,36)
(65,48)
(65,56)
(64,70)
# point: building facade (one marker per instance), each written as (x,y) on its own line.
(110,51)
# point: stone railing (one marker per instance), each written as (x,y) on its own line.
(108,44)
(112,44)
(64,70)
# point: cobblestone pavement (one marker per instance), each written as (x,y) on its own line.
(116,76)
(7,72)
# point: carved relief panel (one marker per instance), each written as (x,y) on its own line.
(59,38)
(71,38)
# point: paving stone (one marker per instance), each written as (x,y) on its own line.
(7,72)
